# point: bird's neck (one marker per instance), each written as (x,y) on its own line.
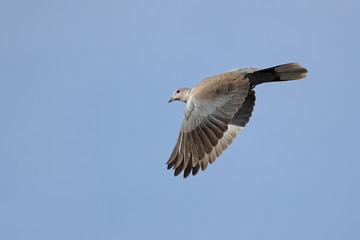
(186,96)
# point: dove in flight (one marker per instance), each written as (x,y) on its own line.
(216,110)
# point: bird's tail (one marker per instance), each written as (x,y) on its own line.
(285,72)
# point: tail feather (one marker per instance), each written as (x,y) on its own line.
(285,72)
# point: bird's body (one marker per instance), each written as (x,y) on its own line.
(217,109)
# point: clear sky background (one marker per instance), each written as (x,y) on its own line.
(86,128)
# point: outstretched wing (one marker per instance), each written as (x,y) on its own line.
(218,108)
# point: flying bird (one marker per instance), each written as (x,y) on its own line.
(216,110)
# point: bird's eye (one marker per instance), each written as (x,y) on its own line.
(177,91)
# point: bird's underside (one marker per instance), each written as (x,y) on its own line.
(217,109)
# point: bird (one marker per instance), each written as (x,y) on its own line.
(217,109)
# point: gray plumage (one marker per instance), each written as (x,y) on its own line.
(217,109)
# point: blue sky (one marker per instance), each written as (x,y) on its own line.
(86,128)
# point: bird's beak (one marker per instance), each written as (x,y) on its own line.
(171,100)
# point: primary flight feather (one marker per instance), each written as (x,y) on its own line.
(216,110)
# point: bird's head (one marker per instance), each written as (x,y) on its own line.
(181,94)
